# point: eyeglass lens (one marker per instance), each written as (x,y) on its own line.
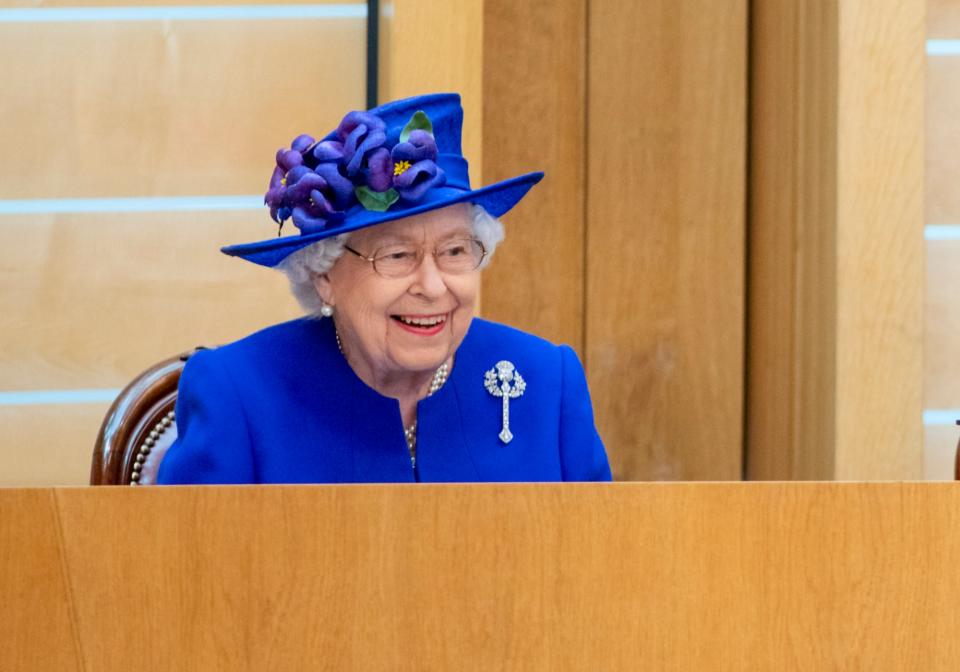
(455,256)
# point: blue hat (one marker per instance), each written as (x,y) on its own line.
(396,160)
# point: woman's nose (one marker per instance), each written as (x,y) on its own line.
(428,280)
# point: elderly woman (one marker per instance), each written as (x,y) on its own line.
(389,378)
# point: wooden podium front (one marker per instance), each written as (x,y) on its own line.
(626,576)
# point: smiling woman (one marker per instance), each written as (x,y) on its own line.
(389,377)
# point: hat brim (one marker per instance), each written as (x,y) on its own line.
(496,199)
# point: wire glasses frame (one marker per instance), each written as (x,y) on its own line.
(461,255)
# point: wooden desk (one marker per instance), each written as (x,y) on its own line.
(734,576)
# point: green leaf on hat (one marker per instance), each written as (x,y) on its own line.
(418,122)
(378,201)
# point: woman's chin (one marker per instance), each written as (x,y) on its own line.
(421,355)
(421,361)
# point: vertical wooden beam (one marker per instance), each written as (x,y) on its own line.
(666,176)
(792,266)
(533,119)
(836,244)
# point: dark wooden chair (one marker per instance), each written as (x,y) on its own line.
(139,427)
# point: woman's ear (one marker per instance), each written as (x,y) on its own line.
(321,282)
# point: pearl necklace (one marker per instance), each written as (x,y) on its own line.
(410,433)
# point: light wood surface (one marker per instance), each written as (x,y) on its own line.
(49,444)
(534,118)
(93,299)
(626,576)
(665,235)
(167,108)
(40,4)
(836,245)
(880,254)
(943,139)
(940,451)
(942,364)
(943,19)
(942,310)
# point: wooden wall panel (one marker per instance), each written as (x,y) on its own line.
(836,244)
(792,308)
(666,145)
(880,253)
(943,139)
(164,108)
(537,577)
(41,4)
(942,319)
(49,444)
(943,19)
(90,300)
(942,363)
(940,452)
(534,114)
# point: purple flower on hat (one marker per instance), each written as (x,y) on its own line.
(379,169)
(420,146)
(416,180)
(327,151)
(313,197)
(287,160)
(316,182)
(361,133)
(318,197)
(414,160)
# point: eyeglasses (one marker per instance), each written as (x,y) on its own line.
(460,255)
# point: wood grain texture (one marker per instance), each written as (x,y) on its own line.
(836,266)
(161,108)
(91,300)
(38,631)
(880,251)
(943,139)
(630,576)
(942,366)
(792,265)
(665,235)
(534,114)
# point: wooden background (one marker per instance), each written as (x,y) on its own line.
(635,241)
(744,287)
(735,576)
(163,108)
(942,324)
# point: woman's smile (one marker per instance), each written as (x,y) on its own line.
(422,325)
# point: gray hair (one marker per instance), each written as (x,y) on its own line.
(316,259)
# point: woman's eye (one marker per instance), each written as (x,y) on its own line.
(399,255)
(455,251)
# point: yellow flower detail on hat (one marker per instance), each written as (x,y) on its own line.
(400,167)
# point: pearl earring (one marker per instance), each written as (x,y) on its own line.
(326,310)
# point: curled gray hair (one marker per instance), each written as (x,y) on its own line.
(316,259)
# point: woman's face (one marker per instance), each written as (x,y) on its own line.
(411,324)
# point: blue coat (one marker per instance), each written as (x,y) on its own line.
(283,406)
